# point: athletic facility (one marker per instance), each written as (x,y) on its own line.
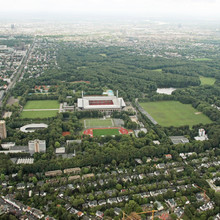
(174,113)
(106,104)
(102,122)
(94,132)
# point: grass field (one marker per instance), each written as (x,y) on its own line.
(158,70)
(100,132)
(173,113)
(98,122)
(42,104)
(202,59)
(38,114)
(207,80)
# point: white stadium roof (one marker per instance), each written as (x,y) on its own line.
(32,127)
(115,102)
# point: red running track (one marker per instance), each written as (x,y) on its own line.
(120,129)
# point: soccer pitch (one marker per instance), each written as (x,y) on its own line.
(174,113)
(98,123)
(42,104)
(38,114)
(104,132)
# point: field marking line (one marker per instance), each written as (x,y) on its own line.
(112,123)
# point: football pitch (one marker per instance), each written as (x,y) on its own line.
(38,114)
(174,113)
(104,132)
(42,104)
(98,122)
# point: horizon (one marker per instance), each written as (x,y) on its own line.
(205,10)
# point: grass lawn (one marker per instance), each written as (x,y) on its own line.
(207,80)
(202,59)
(100,132)
(157,70)
(98,122)
(173,113)
(38,114)
(42,104)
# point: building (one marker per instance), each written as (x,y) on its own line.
(106,104)
(33,127)
(179,139)
(202,136)
(67,107)
(8,145)
(54,173)
(37,146)
(3,133)
(60,150)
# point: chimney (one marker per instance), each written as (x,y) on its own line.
(117,93)
(82,94)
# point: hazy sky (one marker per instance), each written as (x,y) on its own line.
(202,8)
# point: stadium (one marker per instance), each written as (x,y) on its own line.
(106,104)
(33,127)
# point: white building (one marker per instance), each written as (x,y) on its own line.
(107,104)
(202,136)
(37,146)
(33,127)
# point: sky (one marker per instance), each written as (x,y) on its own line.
(200,8)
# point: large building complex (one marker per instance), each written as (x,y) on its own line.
(37,146)
(3,133)
(106,104)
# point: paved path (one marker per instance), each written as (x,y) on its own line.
(147,114)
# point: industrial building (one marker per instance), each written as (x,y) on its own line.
(106,104)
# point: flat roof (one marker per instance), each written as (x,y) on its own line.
(179,139)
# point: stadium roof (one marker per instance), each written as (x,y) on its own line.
(100,102)
(32,127)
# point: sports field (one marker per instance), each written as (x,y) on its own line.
(202,59)
(98,122)
(100,132)
(173,113)
(38,114)
(42,104)
(207,80)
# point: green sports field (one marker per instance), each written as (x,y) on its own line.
(38,114)
(98,122)
(207,80)
(42,104)
(173,113)
(100,132)
(202,59)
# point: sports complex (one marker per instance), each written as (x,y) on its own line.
(94,132)
(104,126)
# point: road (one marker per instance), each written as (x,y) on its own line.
(19,73)
(14,210)
(147,114)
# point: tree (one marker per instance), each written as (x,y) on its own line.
(119,187)
(57,144)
